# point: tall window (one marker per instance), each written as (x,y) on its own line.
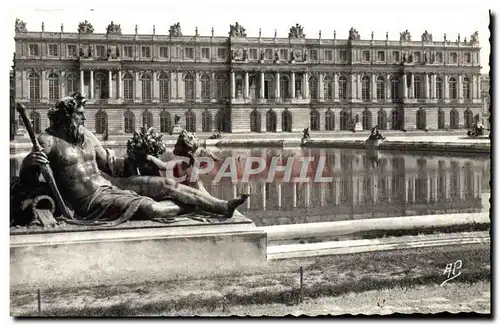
(164,87)
(53,87)
(146,87)
(222,90)
(380,88)
(314,123)
(466,88)
(343,88)
(395,88)
(454,117)
(365,88)
(147,119)
(366,119)
(417,87)
(468,117)
(101,122)
(271,121)
(440,119)
(255,121)
(189,86)
(190,121)
(129,121)
(453,88)
(439,88)
(206,121)
(71,84)
(165,121)
(345,117)
(284,87)
(329,120)
(328,85)
(128,87)
(313,87)
(205,87)
(35,121)
(34,79)
(286,121)
(100,85)
(382,119)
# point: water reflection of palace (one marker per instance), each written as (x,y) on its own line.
(366,185)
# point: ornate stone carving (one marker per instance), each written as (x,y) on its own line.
(20,26)
(474,38)
(296,31)
(405,36)
(114,29)
(354,35)
(85,28)
(175,30)
(237,54)
(426,37)
(237,30)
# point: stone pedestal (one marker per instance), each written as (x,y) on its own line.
(176,129)
(358,126)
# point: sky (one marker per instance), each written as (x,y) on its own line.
(380,17)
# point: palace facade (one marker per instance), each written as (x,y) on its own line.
(249,84)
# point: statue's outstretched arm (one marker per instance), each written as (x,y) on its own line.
(104,157)
(30,167)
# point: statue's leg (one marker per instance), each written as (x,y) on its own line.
(166,209)
(160,188)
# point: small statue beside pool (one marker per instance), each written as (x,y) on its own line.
(375,138)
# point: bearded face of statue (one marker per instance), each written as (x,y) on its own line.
(75,126)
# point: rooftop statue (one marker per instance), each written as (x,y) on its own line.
(296,31)
(405,36)
(354,35)
(94,193)
(426,37)
(474,38)
(114,29)
(20,26)
(85,28)
(237,30)
(175,30)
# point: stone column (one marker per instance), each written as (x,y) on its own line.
(278,189)
(197,85)
(262,85)
(247,85)
(156,87)
(405,88)
(321,86)
(358,86)
(374,88)
(306,85)
(277,85)
(473,87)
(478,81)
(91,83)
(293,84)
(233,84)
(138,92)
(82,72)
(120,85)
(45,86)
(412,86)
(212,87)
(335,86)
(180,88)
(433,86)
(428,183)
(426,86)
(446,94)
(352,86)
(459,87)
(388,87)
(337,191)
(110,84)
(294,195)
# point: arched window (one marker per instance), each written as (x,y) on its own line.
(190,121)
(454,119)
(417,87)
(284,87)
(205,88)
(328,86)
(147,119)
(395,89)
(466,88)
(34,79)
(366,119)
(35,121)
(286,121)
(421,119)
(222,87)
(206,121)
(164,87)
(382,119)
(71,84)
(380,88)
(453,88)
(255,121)
(165,121)
(468,118)
(365,88)
(298,86)
(314,120)
(329,120)
(146,87)
(271,121)
(53,87)
(343,87)
(439,88)
(268,86)
(100,86)
(313,87)
(222,122)
(344,120)
(440,119)
(129,121)
(397,119)
(189,87)
(101,121)
(128,87)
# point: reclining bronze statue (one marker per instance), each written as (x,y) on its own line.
(82,170)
